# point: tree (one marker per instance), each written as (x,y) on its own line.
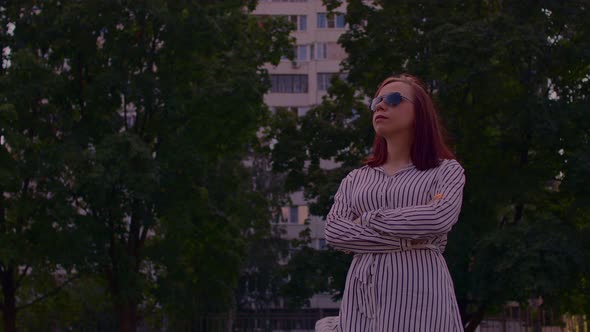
(152,119)
(510,79)
(313,271)
(35,215)
(261,275)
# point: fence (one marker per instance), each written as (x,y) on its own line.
(268,321)
(281,321)
(515,319)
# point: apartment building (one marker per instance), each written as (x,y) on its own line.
(299,85)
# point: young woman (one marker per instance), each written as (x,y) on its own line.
(394,214)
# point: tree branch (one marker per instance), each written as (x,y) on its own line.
(48,294)
(145,229)
(143,235)
(112,269)
(81,84)
(149,101)
(125,111)
(134,228)
(2,215)
(22,276)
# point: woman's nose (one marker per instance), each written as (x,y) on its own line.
(380,107)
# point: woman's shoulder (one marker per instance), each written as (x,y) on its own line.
(356,171)
(363,173)
(361,170)
(451,168)
(452,163)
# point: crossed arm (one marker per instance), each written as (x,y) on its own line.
(383,228)
(345,235)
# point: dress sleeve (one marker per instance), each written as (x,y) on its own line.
(434,218)
(345,235)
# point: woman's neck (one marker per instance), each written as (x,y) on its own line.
(398,151)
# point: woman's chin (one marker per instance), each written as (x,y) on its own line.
(387,131)
(382,130)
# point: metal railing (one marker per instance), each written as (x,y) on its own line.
(513,319)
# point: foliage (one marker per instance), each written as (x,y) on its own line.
(511,82)
(136,118)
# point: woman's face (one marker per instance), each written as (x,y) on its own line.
(390,120)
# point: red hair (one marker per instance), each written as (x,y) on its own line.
(428,145)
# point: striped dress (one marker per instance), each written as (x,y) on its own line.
(398,279)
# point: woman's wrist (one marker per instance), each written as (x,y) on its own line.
(365,219)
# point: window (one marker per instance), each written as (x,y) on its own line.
(302,26)
(330,21)
(301,53)
(322,244)
(322,20)
(325,78)
(322,51)
(288,83)
(300,21)
(324,81)
(340,21)
(295,214)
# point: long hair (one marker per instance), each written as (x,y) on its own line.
(428,145)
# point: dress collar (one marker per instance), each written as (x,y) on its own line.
(382,170)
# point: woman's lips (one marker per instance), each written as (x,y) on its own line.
(380,117)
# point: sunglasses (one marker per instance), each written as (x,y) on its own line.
(392,99)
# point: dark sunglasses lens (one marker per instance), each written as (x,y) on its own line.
(393,99)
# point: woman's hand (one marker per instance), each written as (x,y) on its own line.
(436,198)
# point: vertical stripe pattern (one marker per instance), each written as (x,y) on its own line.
(398,279)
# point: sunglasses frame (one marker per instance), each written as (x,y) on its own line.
(388,100)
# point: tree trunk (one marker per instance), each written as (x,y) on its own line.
(125,300)
(9,317)
(9,305)
(124,306)
(127,317)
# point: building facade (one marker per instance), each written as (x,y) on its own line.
(299,85)
(303,82)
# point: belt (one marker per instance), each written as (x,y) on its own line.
(363,277)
